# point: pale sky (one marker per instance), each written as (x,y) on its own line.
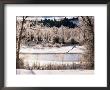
(43,17)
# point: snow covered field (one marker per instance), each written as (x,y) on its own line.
(64,49)
(35,72)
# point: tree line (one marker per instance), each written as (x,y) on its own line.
(71,23)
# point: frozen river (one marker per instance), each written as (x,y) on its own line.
(42,58)
(51,55)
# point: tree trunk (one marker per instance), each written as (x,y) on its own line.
(18,45)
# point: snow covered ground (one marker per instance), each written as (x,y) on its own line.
(64,49)
(35,72)
(26,53)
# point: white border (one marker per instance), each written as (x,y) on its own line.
(99,78)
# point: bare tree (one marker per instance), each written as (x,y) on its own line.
(18,41)
(87,26)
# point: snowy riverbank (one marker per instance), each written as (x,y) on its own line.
(35,72)
(64,49)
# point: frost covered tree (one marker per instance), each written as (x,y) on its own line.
(18,40)
(87,27)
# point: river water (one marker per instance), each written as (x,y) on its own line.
(42,58)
